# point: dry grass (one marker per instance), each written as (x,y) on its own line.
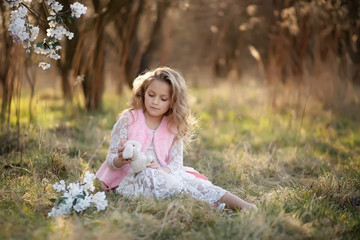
(301,170)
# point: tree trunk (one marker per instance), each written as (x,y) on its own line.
(90,52)
(10,63)
(156,38)
(127,25)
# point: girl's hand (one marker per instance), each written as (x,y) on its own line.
(154,165)
(119,161)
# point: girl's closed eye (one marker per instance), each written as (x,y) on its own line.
(153,95)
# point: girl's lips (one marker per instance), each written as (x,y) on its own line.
(154,108)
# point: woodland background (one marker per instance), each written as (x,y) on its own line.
(297,43)
(274,84)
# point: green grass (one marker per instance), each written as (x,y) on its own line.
(302,171)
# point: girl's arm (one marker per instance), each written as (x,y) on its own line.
(118,136)
(176,155)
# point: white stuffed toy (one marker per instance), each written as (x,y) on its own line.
(132,149)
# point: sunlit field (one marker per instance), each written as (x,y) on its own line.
(298,162)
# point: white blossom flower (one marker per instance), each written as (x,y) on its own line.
(20,28)
(77,9)
(99,200)
(17,27)
(25,33)
(13,3)
(76,197)
(64,208)
(22,11)
(50,51)
(57,32)
(56,6)
(88,182)
(53,55)
(74,190)
(82,204)
(34,33)
(52,24)
(54,213)
(57,186)
(69,34)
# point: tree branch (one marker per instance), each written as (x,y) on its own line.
(46,9)
(33,12)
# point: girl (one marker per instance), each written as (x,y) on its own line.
(158,118)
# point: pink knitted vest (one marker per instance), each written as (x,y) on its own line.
(163,138)
(139,131)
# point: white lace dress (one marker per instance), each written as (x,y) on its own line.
(158,183)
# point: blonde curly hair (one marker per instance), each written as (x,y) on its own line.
(179,111)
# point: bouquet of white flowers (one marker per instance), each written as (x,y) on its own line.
(77,196)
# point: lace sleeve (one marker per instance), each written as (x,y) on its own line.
(176,155)
(118,132)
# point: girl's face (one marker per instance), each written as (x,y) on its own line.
(157,98)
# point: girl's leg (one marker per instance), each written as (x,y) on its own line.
(236,203)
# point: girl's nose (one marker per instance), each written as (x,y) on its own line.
(156,100)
